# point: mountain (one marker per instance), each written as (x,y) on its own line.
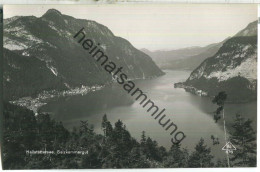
(232,69)
(41,54)
(250,30)
(185,58)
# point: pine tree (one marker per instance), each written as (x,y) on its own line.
(84,127)
(201,157)
(143,138)
(244,139)
(151,150)
(220,101)
(86,134)
(103,124)
(220,98)
(106,126)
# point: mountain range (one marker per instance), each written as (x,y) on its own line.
(185,58)
(40,54)
(191,57)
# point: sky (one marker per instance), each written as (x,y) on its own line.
(157,26)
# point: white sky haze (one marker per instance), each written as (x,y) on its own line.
(157,26)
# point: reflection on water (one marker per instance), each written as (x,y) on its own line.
(192,114)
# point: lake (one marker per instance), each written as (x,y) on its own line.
(192,114)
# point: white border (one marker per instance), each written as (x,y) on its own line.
(120,1)
(154,1)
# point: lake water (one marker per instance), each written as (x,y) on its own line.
(192,114)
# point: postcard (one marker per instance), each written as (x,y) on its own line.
(119,86)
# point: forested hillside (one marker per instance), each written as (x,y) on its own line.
(116,148)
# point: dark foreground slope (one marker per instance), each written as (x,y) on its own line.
(116,148)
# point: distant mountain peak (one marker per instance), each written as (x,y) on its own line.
(250,30)
(43,49)
(52,13)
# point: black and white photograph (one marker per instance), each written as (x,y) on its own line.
(129,86)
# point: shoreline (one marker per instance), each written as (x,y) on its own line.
(34,103)
(43,98)
(202,93)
